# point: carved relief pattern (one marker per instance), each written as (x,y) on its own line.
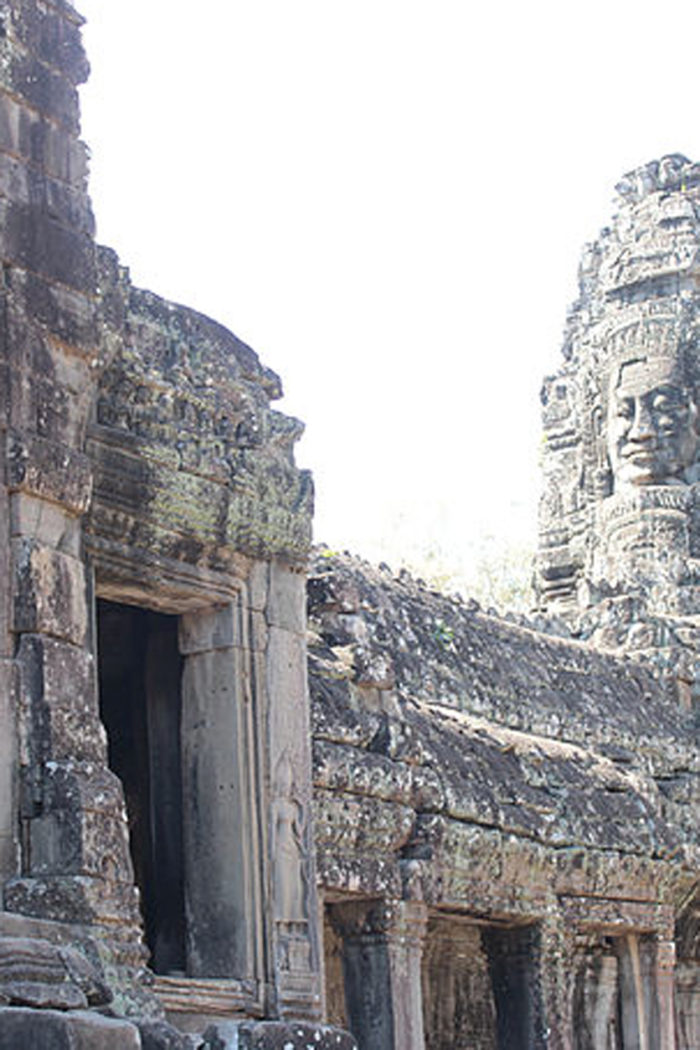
(186,407)
(621,417)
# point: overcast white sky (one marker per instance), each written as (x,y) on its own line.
(387,199)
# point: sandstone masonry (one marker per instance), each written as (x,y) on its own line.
(254,795)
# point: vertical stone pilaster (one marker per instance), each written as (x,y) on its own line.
(687,1005)
(647,991)
(296,934)
(383,945)
(664,957)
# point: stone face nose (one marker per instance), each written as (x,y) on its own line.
(642,427)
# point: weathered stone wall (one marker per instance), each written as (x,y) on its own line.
(49,365)
(471,766)
(193,465)
(506,822)
(143,466)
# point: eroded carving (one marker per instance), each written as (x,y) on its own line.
(652,423)
(289,848)
(621,427)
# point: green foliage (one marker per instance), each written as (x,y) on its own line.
(498,574)
(443,634)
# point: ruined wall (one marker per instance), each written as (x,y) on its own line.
(145,474)
(506,825)
(464,765)
(199,512)
(193,463)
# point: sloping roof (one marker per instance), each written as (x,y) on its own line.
(430,717)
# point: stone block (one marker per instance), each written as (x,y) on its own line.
(82,829)
(159,1035)
(47,523)
(4,393)
(8,770)
(286,603)
(51,36)
(49,592)
(74,898)
(31,238)
(258,585)
(65,314)
(206,630)
(25,135)
(287,696)
(22,1028)
(66,204)
(58,699)
(6,640)
(219,824)
(42,996)
(44,404)
(28,963)
(49,470)
(258,637)
(276,1035)
(41,87)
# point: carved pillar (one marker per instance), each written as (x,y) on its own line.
(383,946)
(295,913)
(595,1000)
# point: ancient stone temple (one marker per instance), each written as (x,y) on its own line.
(257,796)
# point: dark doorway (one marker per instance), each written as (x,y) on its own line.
(140,673)
(513,956)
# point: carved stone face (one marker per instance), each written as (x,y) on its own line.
(652,435)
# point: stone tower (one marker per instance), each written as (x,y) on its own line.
(619,524)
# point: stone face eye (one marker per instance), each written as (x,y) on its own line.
(625,409)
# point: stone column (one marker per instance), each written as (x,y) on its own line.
(647,979)
(221,831)
(595,1000)
(688,1005)
(383,945)
(664,979)
(296,937)
(9,823)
